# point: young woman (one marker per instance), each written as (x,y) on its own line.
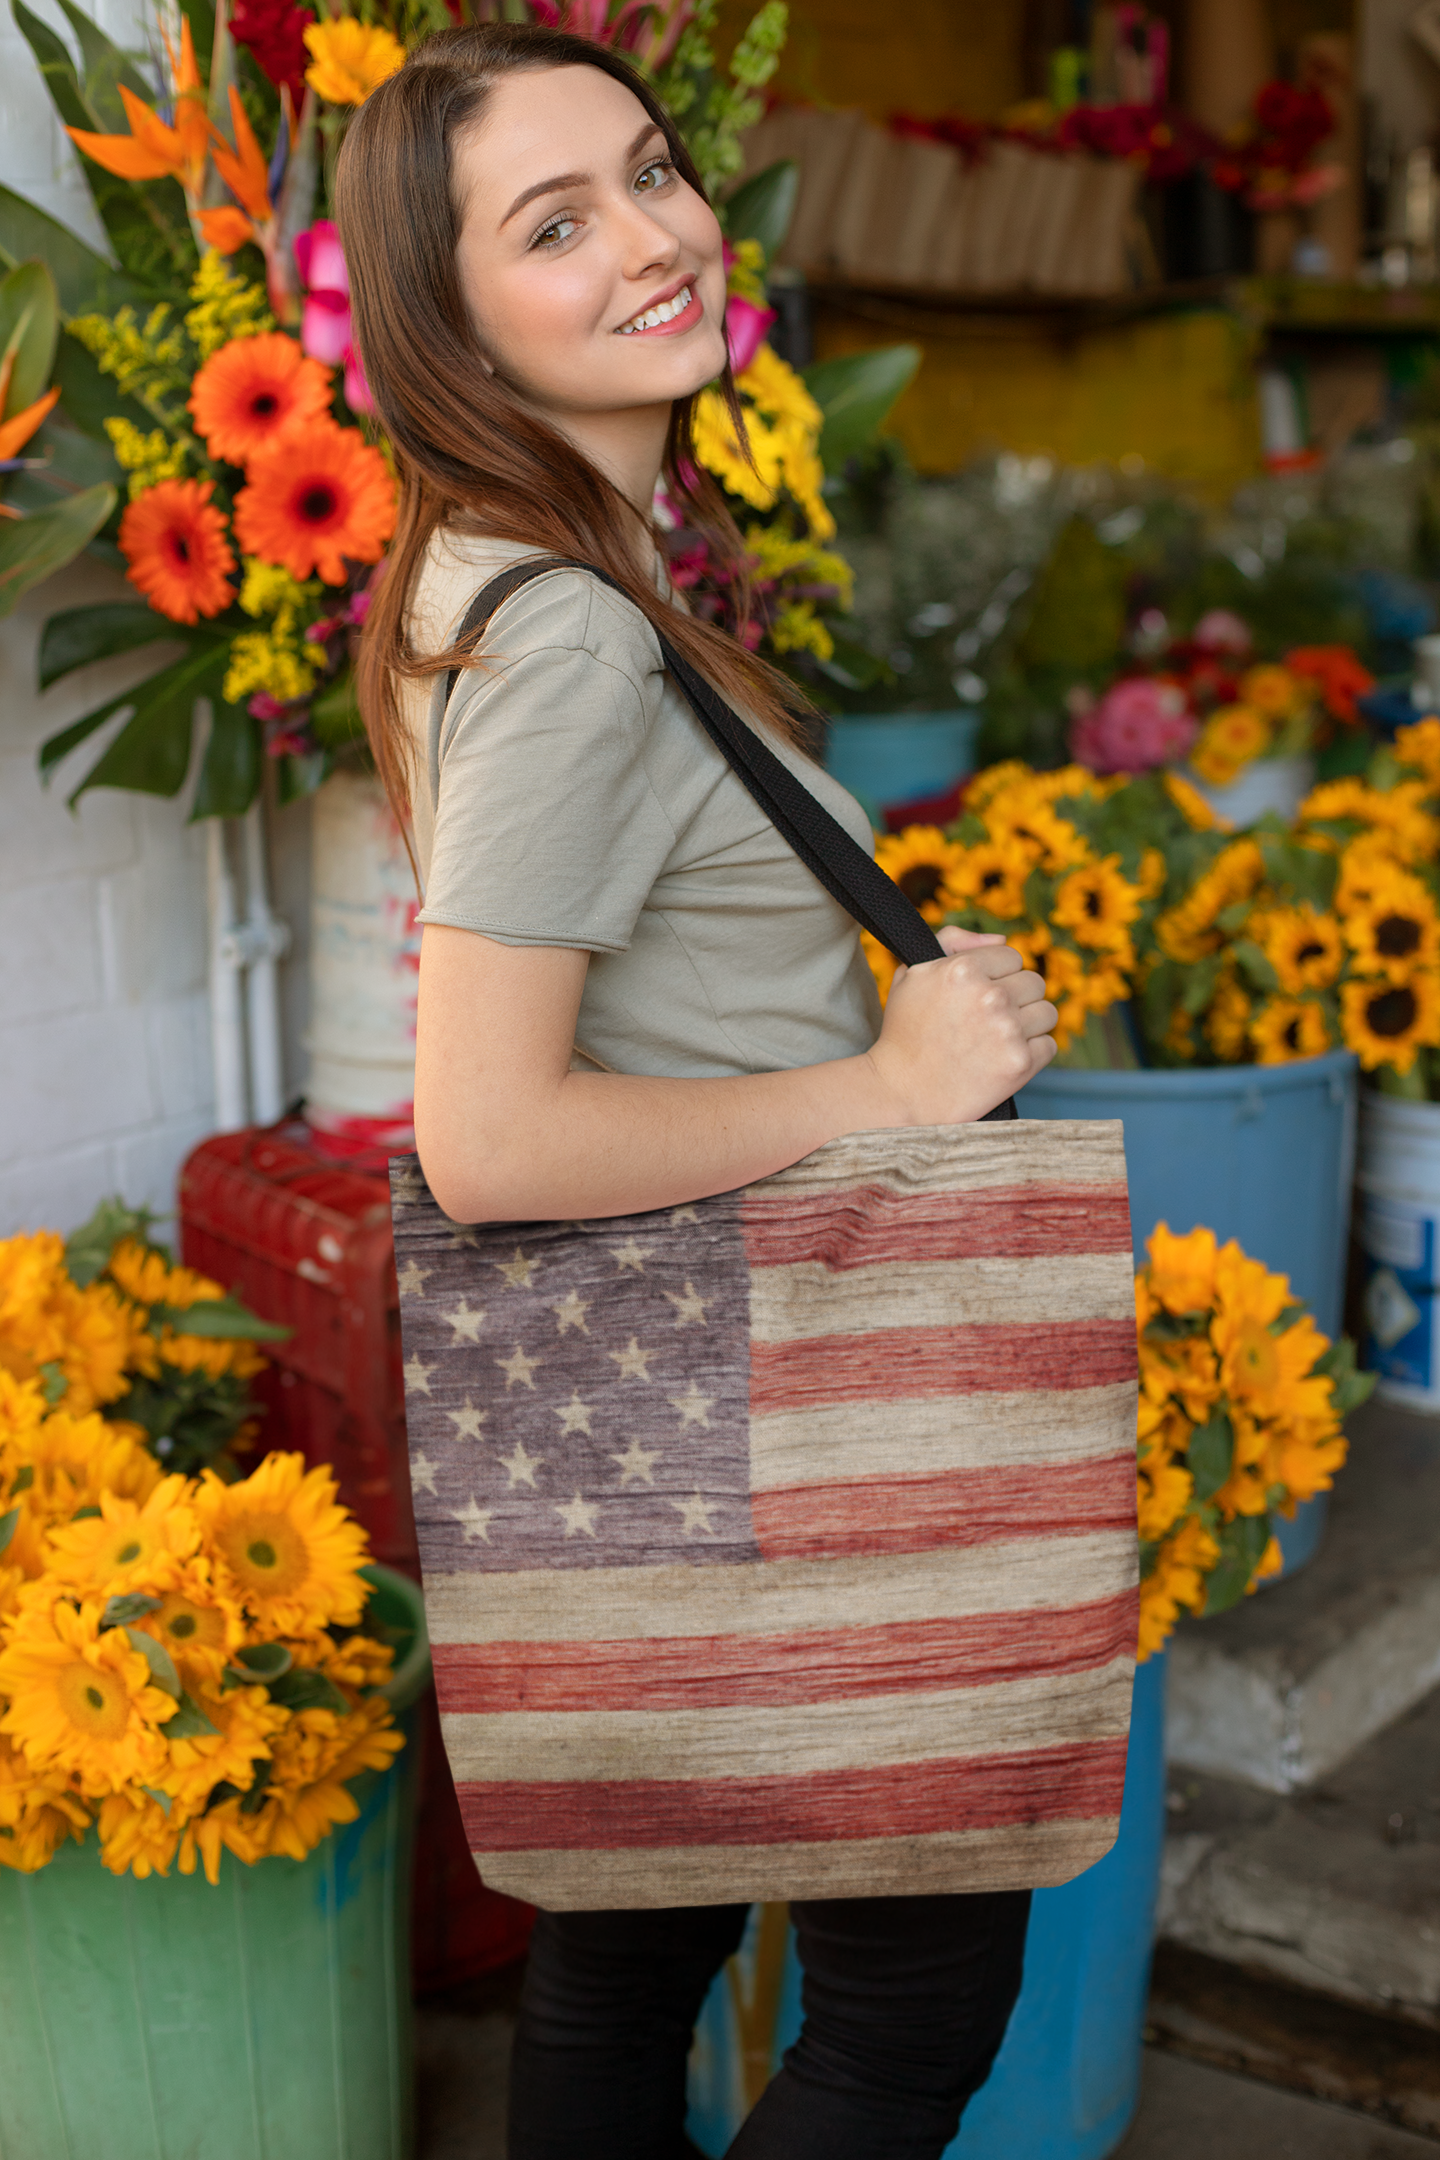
(539,295)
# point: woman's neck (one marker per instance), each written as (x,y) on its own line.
(628,446)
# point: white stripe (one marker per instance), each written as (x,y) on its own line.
(1017,1856)
(805,1300)
(775,1596)
(960,1158)
(751,1740)
(842,1441)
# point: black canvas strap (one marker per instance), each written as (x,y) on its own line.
(823,845)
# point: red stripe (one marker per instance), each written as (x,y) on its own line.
(1060,1784)
(902,1364)
(821,1665)
(955,1507)
(869,1224)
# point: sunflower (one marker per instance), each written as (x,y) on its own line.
(1176,1581)
(116,1549)
(1164,1493)
(246,1724)
(1288,1028)
(349,59)
(991,876)
(290,1552)
(150,1279)
(1273,692)
(922,861)
(1181,1270)
(1152,874)
(253,390)
(1303,946)
(1397,930)
(883,964)
(138,1835)
(1419,745)
(82,1701)
(316,499)
(174,540)
(313,1761)
(37,1813)
(1397,813)
(1022,817)
(200,1624)
(1231,739)
(1064,973)
(1227,1023)
(1179,1038)
(1387,1023)
(1097,904)
(1187,931)
(1191,804)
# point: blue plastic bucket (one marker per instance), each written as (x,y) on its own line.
(900,758)
(1067,2079)
(1262,1153)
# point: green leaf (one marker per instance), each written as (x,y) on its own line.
(1242,1544)
(1174,1327)
(86,282)
(88,399)
(230,774)
(157,1657)
(218,1320)
(308,1690)
(1210,1454)
(1255,966)
(151,753)
(335,715)
(8,1522)
(855,394)
(53,1380)
(29,327)
(52,57)
(301,776)
(265,1661)
(106,67)
(88,1249)
(83,1514)
(24,1479)
(1349,1388)
(189,1721)
(254,1800)
(32,548)
(761,208)
(120,1611)
(76,636)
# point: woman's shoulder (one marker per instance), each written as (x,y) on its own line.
(566,610)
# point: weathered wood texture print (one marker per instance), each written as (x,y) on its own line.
(784,1545)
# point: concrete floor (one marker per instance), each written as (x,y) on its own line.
(1187,2111)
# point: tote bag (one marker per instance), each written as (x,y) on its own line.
(783,1545)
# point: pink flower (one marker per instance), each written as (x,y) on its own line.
(746,329)
(1221,630)
(325,323)
(1138,723)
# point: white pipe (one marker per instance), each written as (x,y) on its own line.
(266,940)
(227,1019)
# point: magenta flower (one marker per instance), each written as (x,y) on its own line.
(1137,724)
(325,323)
(746,329)
(1220,630)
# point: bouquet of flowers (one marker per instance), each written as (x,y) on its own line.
(37,533)
(185,1665)
(1241,1402)
(1270,160)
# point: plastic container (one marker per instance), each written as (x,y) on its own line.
(266,2018)
(902,757)
(1399,1231)
(1066,2081)
(1278,784)
(1262,1153)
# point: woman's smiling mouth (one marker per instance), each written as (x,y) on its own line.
(666,314)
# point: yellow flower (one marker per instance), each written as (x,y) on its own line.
(116,1550)
(1065,986)
(1419,745)
(88,1338)
(283,1547)
(1098,904)
(210,1354)
(1227,1023)
(137,1835)
(198,1622)
(1177,1580)
(227,306)
(1288,1028)
(1396,930)
(247,1724)
(1153,873)
(1387,1023)
(1180,1034)
(314,1759)
(1181,1273)
(37,1813)
(923,863)
(82,1701)
(1021,817)
(1303,946)
(1231,739)
(1164,1494)
(146,458)
(1187,931)
(1364,865)
(349,59)
(993,781)
(1192,804)
(1274,692)
(797,628)
(883,964)
(1397,813)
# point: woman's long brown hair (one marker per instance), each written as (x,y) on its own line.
(469,451)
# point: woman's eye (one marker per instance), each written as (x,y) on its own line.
(555,233)
(654,176)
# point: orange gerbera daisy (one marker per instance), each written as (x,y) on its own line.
(316,499)
(252,390)
(174,540)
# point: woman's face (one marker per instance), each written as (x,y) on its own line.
(577,237)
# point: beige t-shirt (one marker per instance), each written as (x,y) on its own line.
(569,796)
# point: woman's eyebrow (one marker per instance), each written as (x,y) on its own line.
(558,185)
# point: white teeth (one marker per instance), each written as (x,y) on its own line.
(665,312)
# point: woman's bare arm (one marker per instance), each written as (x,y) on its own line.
(507,1132)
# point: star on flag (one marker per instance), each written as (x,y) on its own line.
(422,1473)
(578,1516)
(466,1322)
(474,1520)
(521,1466)
(694,1407)
(467,1421)
(632,1361)
(635,1463)
(690,1307)
(517,1272)
(417,1376)
(571,1313)
(695,1514)
(411,1278)
(518,1369)
(630,1255)
(574,1416)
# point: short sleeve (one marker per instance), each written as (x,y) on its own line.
(547,829)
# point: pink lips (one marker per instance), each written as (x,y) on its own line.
(685,320)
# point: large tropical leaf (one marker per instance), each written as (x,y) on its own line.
(230,775)
(761,208)
(32,547)
(105,68)
(76,636)
(151,753)
(855,394)
(85,280)
(29,326)
(52,56)
(89,398)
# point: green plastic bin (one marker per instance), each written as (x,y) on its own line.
(266,2018)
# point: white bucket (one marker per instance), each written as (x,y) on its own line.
(1270,783)
(364,956)
(1398,1225)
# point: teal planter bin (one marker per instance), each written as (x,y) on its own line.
(1262,1153)
(1067,2079)
(901,758)
(267,2018)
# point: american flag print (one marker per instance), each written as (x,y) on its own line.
(783,1545)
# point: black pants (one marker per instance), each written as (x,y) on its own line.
(906,2003)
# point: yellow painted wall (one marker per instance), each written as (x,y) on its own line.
(1177,390)
(925,56)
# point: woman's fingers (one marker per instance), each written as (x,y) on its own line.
(1038,1019)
